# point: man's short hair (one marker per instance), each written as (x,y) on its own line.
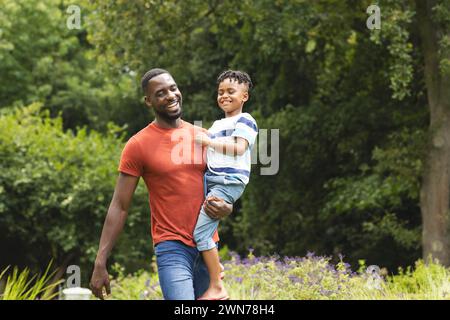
(149,75)
(239,76)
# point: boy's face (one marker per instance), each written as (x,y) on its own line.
(231,96)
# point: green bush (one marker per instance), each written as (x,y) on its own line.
(55,188)
(141,285)
(425,281)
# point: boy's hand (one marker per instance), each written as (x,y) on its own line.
(203,139)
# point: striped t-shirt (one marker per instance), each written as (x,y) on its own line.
(242,125)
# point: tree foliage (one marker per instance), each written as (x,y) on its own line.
(43,60)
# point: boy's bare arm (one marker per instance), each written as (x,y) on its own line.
(238,147)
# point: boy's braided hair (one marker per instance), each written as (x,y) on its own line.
(239,76)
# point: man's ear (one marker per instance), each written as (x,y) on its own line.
(147,101)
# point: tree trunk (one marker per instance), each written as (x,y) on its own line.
(434,193)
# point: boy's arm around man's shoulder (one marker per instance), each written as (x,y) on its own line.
(114,223)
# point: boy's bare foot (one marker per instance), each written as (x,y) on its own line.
(215,293)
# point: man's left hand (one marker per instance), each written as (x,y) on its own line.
(217,208)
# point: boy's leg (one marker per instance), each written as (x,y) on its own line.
(175,262)
(216,289)
(204,231)
(203,234)
(206,226)
(201,276)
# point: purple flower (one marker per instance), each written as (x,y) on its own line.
(294,279)
(330,268)
(275,257)
(235,257)
(326,292)
(154,286)
(238,279)
(248,262)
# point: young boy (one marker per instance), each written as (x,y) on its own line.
(228,166)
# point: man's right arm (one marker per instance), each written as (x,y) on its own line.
(114,223)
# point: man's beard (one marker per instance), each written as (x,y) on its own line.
(169,117)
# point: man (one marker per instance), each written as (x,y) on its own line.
(175,189)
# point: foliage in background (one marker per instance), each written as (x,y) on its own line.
(349,102)
(55,188)
(377,208)
(43,60)
(340,94)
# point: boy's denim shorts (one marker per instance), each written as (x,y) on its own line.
(226,188)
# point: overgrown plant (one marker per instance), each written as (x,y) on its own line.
(19,285)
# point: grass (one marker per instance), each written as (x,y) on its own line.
(304,278)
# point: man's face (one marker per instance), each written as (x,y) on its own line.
(164,97)
(231,95)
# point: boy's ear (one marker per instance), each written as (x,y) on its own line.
(245,96)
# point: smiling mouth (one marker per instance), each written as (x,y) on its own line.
(173,105)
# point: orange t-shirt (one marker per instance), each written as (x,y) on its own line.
(172,166)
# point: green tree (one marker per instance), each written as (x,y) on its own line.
(43,60)
(431,27)
(433,18)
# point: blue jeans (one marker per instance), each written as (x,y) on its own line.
(225,188)
(181,270)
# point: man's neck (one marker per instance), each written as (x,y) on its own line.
(167,124)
